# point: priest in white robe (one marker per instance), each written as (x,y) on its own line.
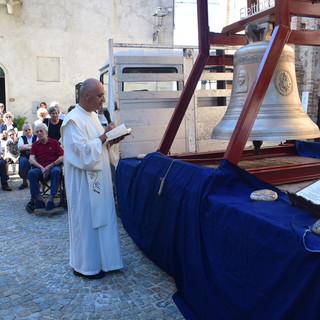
(94,238)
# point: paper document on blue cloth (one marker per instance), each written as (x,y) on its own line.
(311,192)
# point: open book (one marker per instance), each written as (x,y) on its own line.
(308,198)
(311,192)
(117,132)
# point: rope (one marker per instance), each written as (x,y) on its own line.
(164,178)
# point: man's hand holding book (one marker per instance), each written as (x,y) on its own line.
(117,134)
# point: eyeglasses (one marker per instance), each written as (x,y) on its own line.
(8,117)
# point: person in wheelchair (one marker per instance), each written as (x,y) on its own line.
(46,157)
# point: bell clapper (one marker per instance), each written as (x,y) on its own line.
(257,144)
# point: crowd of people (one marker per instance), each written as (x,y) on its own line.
(15,149)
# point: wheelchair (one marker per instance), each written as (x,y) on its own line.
(31,205)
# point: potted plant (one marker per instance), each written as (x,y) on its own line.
(20,121)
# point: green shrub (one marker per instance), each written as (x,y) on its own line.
(20,121)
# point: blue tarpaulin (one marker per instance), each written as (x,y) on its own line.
(308,148)
(230,257)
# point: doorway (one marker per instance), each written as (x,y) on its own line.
(2,87)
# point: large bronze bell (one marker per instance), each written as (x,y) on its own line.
(281,115)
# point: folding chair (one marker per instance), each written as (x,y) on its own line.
(31,205)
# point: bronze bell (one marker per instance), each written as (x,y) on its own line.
(281,115)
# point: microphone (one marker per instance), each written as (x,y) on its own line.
(107,115)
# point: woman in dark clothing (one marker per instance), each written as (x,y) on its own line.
(53,123)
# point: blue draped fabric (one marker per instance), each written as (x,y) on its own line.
(308,148)
(231,258)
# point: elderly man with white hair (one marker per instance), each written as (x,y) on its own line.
(46,156)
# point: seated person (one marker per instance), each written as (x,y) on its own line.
(2,108)
(4,140)
(8,123)
(12,152)
(46,155)
(42,113)
(24,146)
(3,172)
(71,108)
(54,123)
(43,105)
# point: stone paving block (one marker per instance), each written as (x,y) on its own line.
(36,281)
(9,317)
(37,315)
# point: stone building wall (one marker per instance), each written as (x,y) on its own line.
(48,46)
(308,66)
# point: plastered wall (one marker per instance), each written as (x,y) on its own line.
(47,46)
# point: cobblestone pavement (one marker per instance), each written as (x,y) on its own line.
(36,281)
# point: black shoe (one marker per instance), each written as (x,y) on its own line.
(94,276)
(50,206)
(40,204)
(6,187)
(23,186)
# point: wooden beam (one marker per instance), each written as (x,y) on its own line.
(224,39)
(305,37)
(240,25)
(256,94)
(225,60)
(282,11)
(289,173)
(305,9)
(192,81)
(248,154)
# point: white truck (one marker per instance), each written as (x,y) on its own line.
(143,85)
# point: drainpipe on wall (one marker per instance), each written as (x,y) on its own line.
(10,4)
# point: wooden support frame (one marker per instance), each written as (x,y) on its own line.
(188,90)
(281,14)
